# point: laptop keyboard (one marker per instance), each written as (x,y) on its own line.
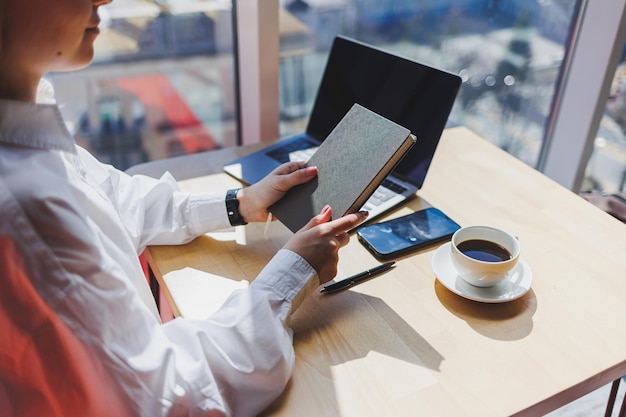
(386,190)
(281,154)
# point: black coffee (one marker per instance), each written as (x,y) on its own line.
(484,250)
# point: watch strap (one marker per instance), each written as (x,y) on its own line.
(232,208)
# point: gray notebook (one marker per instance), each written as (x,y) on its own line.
(354,159)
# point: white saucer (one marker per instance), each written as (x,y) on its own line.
(513,287)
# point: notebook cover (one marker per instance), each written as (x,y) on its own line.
(354,159)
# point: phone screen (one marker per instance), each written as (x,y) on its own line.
(408,233)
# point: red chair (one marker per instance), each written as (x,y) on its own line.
(45,370)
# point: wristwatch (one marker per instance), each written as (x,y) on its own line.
(232,208)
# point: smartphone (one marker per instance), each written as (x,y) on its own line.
(410,233)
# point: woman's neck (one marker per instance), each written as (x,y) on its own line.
(18,85)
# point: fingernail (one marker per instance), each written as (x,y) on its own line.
(365,213)
(310,171)
(325,209)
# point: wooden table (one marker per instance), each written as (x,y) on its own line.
(403,345)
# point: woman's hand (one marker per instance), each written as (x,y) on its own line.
(255,200)
(319,241)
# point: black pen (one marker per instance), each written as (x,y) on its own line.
(355,279)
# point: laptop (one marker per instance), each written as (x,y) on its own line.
(414,95)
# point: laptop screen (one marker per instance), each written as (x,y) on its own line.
(411,94)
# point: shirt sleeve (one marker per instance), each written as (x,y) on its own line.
(248,346)
(154,211)
(290,277)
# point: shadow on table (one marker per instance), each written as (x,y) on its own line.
(508,321)
(336,332)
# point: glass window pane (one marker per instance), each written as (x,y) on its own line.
(161,83)
(508,53)
(606,168)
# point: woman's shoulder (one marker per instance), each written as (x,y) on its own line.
(38,181)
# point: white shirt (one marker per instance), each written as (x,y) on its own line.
(82,225)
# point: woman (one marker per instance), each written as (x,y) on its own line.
(81,224)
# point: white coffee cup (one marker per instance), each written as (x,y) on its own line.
(483,255)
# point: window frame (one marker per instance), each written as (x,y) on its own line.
(595,52)
(257,41)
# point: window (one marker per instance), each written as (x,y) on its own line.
(535,75)
(161,84)
(509,53)
(606,169)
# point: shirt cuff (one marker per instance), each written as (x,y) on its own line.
(207,212)
(290,277)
